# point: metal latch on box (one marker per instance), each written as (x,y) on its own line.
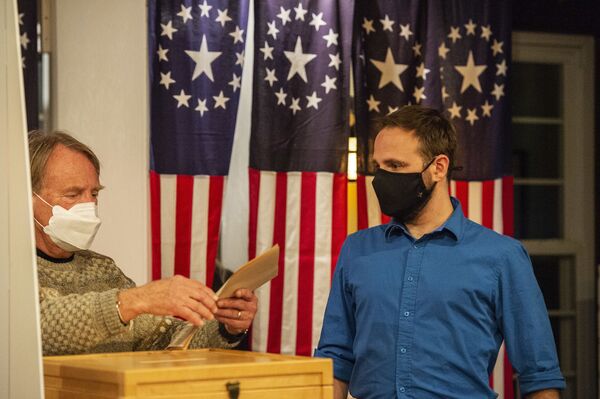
(233,388)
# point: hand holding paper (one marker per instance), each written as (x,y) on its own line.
(237,302)
(237,312)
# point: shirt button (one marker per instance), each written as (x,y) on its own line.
(410,278)
(406,314)
(402,389)
(403,350)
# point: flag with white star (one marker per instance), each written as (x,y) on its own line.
(301,76)
(28,20)
(453,56)
(196,54)
(298,152)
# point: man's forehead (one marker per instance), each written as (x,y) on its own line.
(397,140)
(66,167)
(397,132)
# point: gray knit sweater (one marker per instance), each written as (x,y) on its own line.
(79,314)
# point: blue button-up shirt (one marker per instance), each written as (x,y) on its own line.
(425,318)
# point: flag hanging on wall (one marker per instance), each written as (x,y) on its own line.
(196,54)
(28,21)
(298,155)
(453,56)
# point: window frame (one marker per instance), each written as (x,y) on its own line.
(576,56)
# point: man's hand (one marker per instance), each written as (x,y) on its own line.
(176,296)
(237,312)
(545,394)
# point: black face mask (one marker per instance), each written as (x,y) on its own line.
(402,195)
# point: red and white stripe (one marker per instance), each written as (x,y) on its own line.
(306,214)
(185,219)
(489,203)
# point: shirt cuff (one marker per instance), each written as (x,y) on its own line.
(342,369)
(543,380)
(230,338)
(107,309)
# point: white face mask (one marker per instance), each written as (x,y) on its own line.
(72,229)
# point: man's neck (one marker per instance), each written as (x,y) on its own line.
(47,246)
(436,212)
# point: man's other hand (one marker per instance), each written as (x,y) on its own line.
(237,312)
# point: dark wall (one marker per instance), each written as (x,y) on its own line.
(574,17)
(558,16)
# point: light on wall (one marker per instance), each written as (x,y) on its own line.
(352,159)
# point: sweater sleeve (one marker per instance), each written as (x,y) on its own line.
(209,336)
(73,324)
(79,314)
(156,333)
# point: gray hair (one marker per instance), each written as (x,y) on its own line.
(41,145)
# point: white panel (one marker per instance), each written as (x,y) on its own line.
(453,188)
(498,222)
(234,236)
(264,240)
(20,349)
(498,373)
(168,201)
(373,209)
(199,228)
(99,93)
(292,263)
(4,211)
(475,195)
(322,274)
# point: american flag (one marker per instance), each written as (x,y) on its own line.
(28,19)
(449,55)
(452,56)
(298,155)
(196,53)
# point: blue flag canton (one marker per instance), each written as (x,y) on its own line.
(398,69)
(27,33)
(466,73)
(456,64)
(299,57)
(27,18)
(199,60)
(473,70)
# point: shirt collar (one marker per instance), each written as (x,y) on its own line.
(454,224)
(52,259)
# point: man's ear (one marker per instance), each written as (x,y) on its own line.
(441,165)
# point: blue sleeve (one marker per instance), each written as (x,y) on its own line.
(337,334)
(525,325)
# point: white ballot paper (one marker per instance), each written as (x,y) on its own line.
(252,275)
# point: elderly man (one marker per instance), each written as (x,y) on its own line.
(87,303)
(419,307)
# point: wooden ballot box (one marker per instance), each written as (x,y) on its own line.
(198,373)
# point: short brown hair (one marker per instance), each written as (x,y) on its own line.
(435,133)
(41,145)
